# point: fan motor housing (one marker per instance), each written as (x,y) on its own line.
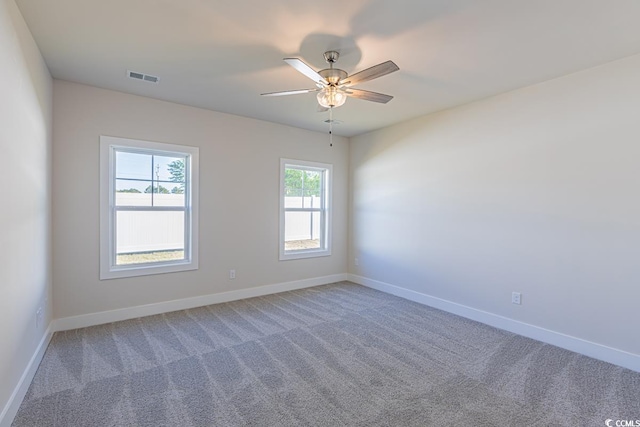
(333,75)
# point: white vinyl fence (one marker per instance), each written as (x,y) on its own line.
(162,231)
(149,231)
(301,225)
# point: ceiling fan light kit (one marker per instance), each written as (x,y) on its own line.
(335,85)
(331,97)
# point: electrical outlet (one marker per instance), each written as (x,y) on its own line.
(516,298)
(356,262)
(232,274)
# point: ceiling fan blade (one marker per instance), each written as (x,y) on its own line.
(371,73)
(289,92)
(369,96)
(305,69)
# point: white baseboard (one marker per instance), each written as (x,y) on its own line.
(93,319)
(578,345)
(11,409)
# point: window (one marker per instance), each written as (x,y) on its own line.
(305,195)
(148,208)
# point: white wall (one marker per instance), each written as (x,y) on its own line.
(239,191)
(25,144)
(536,191)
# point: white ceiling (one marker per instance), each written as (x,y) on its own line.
(221,54)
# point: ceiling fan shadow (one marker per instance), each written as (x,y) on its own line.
(315,43)
(208,62)
(384,18)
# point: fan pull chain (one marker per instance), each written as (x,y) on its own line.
(331,127)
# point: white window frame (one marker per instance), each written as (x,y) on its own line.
(325,209)
(108,268)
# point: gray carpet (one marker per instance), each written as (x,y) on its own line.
(335,355)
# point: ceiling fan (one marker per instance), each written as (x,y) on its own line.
(335,85)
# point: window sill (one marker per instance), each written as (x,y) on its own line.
(146,270)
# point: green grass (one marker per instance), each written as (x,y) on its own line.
(296,245)
(144,257)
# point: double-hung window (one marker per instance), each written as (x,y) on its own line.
(148,208)
(305,220)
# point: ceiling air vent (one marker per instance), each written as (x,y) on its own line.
(144,77)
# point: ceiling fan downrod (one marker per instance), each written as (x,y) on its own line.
(331,56)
